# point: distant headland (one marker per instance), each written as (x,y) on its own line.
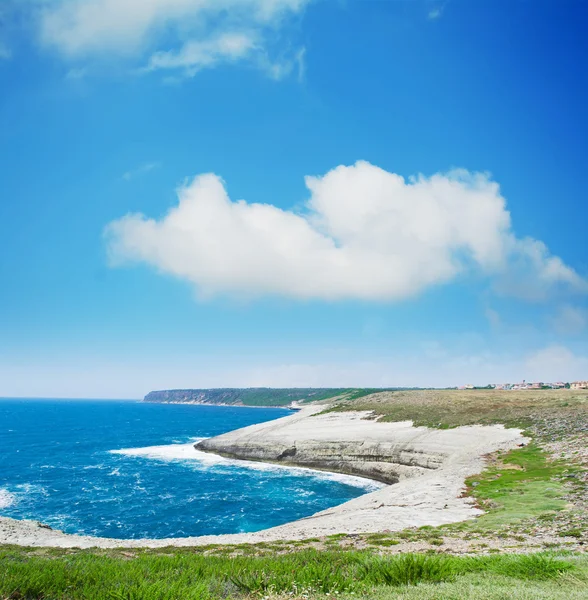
(262,396)
(250,396)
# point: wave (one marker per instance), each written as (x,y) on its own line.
(187,452)
(6,498)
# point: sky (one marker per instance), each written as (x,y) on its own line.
(289,193)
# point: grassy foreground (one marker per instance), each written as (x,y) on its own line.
(175,574)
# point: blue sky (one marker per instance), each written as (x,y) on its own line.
(291,193)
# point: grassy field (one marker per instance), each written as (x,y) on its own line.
(173,574)
(559,409)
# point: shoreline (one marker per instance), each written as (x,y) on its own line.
(426,469)
(216,404)
(163,453)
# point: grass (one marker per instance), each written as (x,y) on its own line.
(488,586)
(172,574)
(511,494)
(519,486)
(453,408)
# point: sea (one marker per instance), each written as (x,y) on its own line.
(126,469)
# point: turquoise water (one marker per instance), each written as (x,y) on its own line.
(129,470)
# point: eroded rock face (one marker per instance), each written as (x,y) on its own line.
(324,444)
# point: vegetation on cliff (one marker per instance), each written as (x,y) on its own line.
(254,396)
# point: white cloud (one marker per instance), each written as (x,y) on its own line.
(534,273)
(229,47)
(142,170)
(570,320)
(365,234)
(80,27)
(196,55)
(186,35)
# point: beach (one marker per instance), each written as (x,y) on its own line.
(425,468)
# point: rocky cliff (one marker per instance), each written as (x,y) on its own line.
(349,443)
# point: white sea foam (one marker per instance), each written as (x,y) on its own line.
(187,452)
(6,498)
(23,490)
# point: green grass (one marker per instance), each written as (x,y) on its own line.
(174,574)
(488,586)
(520,486)
(511,494)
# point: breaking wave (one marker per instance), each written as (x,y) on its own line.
(6,498)
(187,452)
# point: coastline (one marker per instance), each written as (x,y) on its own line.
(425,470)
(215,404)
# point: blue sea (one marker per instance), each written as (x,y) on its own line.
(129,470)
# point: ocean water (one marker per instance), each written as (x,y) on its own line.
(129,470)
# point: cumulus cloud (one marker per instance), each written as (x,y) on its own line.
(364,233)
(534,273)
(184,35)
